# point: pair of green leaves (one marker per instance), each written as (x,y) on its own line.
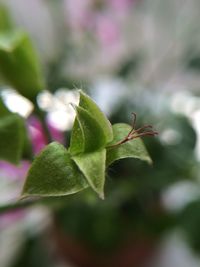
(57,171)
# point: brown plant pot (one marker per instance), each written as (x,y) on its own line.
(132,253)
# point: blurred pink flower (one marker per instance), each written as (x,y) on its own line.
(11,217)
(107,30)
(12,177)
(104,20)
(13,172)
(11,181)
(79,13)
(121,5)
(38,137)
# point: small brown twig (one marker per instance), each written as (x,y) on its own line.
(135,133)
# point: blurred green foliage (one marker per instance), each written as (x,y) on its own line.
(19,64)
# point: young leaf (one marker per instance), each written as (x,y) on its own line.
(53,173)
(19,64)
(11,138)
(92,165)
(87,134)
(88,104)
(77,139)
(131,149)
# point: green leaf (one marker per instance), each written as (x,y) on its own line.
(77,139)
(131,149)
(53,173)
(19,64)
(87,134)
(27,146)
(92,165)
(88,104)
(11,138)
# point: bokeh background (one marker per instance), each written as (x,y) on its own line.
(129,55)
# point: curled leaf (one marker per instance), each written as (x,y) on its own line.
(88,104)
(87,134)
(131,149)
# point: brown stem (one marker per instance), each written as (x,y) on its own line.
(41,116)
(135,133)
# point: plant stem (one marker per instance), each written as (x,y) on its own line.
(17,205)
(26,203)
(41,116)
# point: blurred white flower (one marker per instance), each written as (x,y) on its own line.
(60,113)
(179,195)
(17,103)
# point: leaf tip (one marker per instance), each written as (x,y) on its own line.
(150,162)
(101,195)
